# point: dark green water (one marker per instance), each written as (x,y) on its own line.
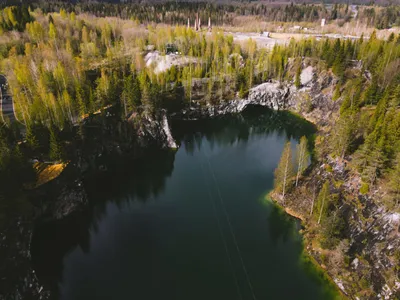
(187,225)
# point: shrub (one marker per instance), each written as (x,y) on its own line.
(364,188)
(329,168)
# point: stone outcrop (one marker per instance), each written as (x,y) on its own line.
(70,200)
(269,94)
(154,131)
(313,100)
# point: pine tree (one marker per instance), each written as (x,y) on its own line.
(339,65)
(322,201)
(297,80)
(4,153)
(284,171)
(126,96)
(394,183)
(55,148)
(375,163)
(136,93)
(302,157)
(343,133)
(371,93)
(31,140)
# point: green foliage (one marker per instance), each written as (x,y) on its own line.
(344,133)
(297,81)
(56,153)
(364,188)
(336,94)
(332,230)
(394,183)
(321,207)
(339,63)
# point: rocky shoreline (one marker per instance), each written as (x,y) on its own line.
(368,268)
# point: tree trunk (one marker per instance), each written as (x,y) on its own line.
(312,203)
(322,208)
(299,166)
(285,176)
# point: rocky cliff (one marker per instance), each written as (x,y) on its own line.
(313,100)
(152,130)
(54,201)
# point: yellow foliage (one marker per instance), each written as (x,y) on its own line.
(46,173)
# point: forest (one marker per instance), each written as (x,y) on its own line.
(65,67)
(222,13)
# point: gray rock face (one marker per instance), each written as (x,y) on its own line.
(70,200)
(269,94)
(374,235)
(170,142)
(152,131)
(306,75)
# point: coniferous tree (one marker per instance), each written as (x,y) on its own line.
(374,165)
(4,153)
(372,92)
(339,65)
(297,80)
(322,201)
(127,94)
(55,147)
(136,93)
(31,140)
(344,133)
(394,184)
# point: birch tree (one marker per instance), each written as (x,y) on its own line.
(322,200)
(284,171)
(302,157)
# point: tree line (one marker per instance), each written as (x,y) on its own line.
(177,12)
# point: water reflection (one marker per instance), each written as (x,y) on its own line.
(141,238)
(229,130)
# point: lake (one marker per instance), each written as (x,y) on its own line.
(191,224)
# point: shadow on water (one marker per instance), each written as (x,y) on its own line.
(143,180)
(124,180)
